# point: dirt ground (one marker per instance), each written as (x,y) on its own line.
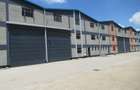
(113,72)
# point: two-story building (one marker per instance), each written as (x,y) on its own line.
(30,34)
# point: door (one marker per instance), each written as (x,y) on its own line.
(59,45)
(27,45)
(89,53)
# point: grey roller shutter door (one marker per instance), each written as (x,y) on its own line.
(27,45)
(59,46)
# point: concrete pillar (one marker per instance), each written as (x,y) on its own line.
(45,36)
(74,28)
(81,34)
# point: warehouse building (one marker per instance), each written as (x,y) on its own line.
(30,34)
(138,41)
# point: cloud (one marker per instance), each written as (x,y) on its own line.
(55,1)
(135,18)
(121,25)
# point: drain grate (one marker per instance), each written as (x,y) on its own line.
(96,70)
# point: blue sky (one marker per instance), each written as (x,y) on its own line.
(124,12)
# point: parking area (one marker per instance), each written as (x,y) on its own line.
(113,72)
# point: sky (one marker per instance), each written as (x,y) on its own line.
(124,12)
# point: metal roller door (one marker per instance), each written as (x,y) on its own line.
(127,45)
(59,47)
(120,45)
(26,45)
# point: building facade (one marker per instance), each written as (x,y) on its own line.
(30,34)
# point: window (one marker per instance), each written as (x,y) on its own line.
(113,38)
(125,31)
(79,50)
(96,24)
(97,37)
(57,18)
(91,25)
(103,38)
(119,30)
(112,28)
(78,36)
(92,37)
(102,26)
(27,12)
(77,20)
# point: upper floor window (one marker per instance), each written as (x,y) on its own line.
(119,30)
(125,31)
(103,37)
(91,25)
(112,28)
(103,27)
(92,37)
(57,18)
(77,19)
(29,12)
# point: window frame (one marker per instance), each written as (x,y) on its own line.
(27,12)
(91,24)
(103,37)
(79,50)
(57,17)
(78,35)
(93,37)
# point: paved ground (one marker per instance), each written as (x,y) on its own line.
(114,72)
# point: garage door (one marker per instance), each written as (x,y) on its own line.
(59,47)
(120,44)
(26,45)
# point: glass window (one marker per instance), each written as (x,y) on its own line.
(103,27)
(103,37)
(29,12)
(57,18)
(78,36)
(77,20)
(79,50)
(92,37)
(112,28)
(91,25)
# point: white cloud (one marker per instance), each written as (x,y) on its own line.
(135,18)
(56,1)
(121,25)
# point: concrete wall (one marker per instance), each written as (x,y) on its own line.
(104,32)
(3,34)
(113,34)
(15,14)
(66,20)
(138,41)
(3,44)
